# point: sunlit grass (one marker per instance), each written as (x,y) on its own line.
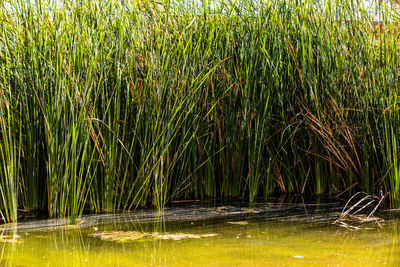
(113,105)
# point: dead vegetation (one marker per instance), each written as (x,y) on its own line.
(128,236)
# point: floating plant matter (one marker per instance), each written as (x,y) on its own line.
(239,223)
(125,236)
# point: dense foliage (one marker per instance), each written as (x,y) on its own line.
(110,105)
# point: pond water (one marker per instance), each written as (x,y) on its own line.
(205,234)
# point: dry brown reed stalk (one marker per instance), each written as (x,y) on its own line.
(381,27)
(279,178)
(336,152)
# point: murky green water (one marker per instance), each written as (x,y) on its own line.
(261,235)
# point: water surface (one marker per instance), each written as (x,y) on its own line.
(266,234)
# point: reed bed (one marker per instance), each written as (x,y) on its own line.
(113,105)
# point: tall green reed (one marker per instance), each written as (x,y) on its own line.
(113,105)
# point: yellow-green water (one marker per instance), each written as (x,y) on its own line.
(273,235)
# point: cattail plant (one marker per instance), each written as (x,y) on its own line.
(113,105)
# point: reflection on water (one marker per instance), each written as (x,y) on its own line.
(260,235)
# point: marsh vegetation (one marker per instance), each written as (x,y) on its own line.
(113,105)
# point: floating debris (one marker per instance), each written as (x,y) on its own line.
(239,223)
(298,256)
(250,210)
(180,236)
(349,227)
(10,239)
(364,218)
(353,212)
(351,215)
(120,236)
(223,208)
